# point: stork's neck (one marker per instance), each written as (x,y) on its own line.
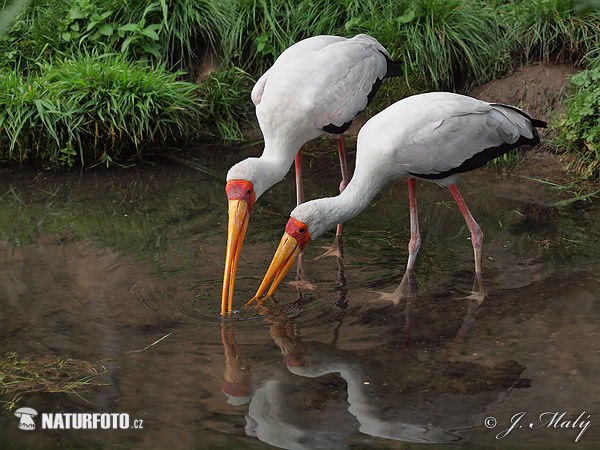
(324,213)
(276,162)
(358,194)
(280,153)
(268,169)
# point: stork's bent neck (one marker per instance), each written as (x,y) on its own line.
(357,195)
(324,213)
(276,163)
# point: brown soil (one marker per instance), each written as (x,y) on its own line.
(539,89)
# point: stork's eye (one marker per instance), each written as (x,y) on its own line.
(301,230)
(249,191)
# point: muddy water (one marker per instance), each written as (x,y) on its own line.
(101,265)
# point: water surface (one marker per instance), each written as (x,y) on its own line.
(99,265)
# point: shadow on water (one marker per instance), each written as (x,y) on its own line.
(125,267)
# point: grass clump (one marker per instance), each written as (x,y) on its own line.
(92,109)
(445,44)
(580,126)
(33,37)
(165,31)
(553,30)
(454,43)
(257,31)
(25,374)
(226,99)
(189,26)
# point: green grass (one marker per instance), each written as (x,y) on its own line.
(575,190)
(444,45)
(592,56)
(508,159)
(226,97)
(10,13)
(189,26)
(33,37)
(257,31)
(92,109)
(551,30)
(166,31)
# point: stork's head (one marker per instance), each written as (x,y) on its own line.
(307,222)
(246,181)
(253,170)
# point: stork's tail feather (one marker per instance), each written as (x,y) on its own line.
(538,123)
(536,136)
(394,68)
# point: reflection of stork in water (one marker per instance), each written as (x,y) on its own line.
(379,401)
(284,333)
(475,300)
(407,289)
(270,404)
(237,376)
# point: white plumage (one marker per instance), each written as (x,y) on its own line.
(425,136)
(320,81)
(434,136)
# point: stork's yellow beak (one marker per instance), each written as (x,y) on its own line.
(241,200)
(236,231)
(285,255)
(295,238)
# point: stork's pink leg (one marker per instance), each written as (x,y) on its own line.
(415,235)
(299,200)
(344,169)
(299,179)
(476,234)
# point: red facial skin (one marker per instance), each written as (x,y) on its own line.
(241,190)
(298,231)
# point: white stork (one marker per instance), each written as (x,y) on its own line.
(433,136)
(316,86)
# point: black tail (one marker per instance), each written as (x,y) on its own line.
(538,123)
(394,68)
